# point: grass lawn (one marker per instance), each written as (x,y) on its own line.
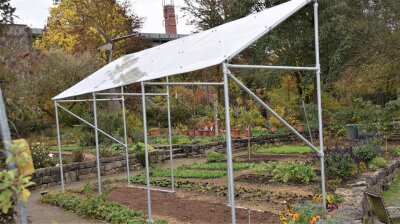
(67,148)
(286,149)
(392,195)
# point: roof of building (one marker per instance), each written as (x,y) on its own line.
(190,53)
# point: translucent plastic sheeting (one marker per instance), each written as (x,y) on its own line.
(190,53)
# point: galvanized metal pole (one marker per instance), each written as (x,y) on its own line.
(319,99)
(125,137)
(96,135)
(146,150)
(59,147)
(231,190)
(6,136)
(171,159)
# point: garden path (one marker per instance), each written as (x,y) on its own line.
(39,213)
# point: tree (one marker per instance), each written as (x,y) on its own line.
(206,14)
(46,74)
(6,11)
(7,14)
(74,25)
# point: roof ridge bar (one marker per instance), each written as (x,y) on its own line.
(296,68)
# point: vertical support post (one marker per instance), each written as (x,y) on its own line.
(96,135)
(125,137)
(6,137)
(59,147)
(229,145)
(171,159)
(319,99)
(216,116)
(146,153)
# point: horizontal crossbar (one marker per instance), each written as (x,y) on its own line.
(185,83)
(273,67)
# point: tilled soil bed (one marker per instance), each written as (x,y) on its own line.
(185,208)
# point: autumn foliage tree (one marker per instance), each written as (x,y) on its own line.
(73,25)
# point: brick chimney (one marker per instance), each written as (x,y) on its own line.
(170,19)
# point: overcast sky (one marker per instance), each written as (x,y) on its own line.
(34,13)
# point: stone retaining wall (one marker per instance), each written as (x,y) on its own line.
(46,177)
(355,205)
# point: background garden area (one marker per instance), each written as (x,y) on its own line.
(279,179)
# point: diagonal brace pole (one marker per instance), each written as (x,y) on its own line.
(89,124)
(269,109)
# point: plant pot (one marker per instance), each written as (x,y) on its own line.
(235,132)
(155,132)
(198,132)
(246,133)
(273,129)
(190,132)
(300,128)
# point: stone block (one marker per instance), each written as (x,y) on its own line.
(118,164)
(70,177)
(47,179)
(90,164)
(109,166)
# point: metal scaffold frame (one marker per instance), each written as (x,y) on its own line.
(227,75)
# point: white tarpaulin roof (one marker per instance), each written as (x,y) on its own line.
(191,53)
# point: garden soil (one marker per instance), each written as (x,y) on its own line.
(186,208)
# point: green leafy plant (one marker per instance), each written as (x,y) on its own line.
(256,147)
(377,163)
(139,150)
(286,172)
(286,149)
(86,139)
(95,207)
(188,173)
(108,152)
(306,213)
(215,157)
(78,155)
(339,164)
(396,150)
(184,141)
(217,166)
(13,187)
(368,150)
(41,156)
(256,132)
